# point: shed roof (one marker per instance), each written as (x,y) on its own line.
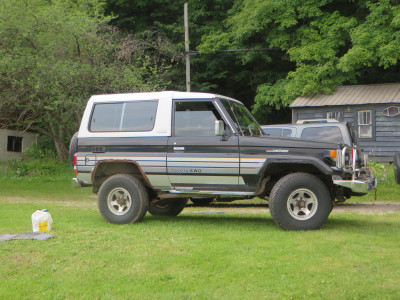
(354,95)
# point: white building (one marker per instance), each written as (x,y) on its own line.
(13,143)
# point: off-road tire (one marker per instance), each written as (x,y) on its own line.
(170,209)
(396,166)
(128,189)
(300,201)
(73,148)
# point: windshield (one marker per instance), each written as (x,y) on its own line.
(242,118)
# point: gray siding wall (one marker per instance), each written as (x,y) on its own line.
(385,139)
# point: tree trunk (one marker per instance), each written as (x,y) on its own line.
(62,150)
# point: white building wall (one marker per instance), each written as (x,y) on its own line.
(28,138)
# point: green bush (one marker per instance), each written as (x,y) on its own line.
(383,172)
(37,160)
(29,167)
(44,149)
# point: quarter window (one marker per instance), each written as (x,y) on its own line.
(365,124)
(127,116)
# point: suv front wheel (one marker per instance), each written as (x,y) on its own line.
(300,201)
(123,199)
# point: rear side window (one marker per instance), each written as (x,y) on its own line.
(327,134)
(127,116)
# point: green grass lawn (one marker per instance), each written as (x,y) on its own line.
(198,256)
(201,254)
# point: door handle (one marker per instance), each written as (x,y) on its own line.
(179,148)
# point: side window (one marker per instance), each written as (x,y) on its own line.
(106,117)
(327,134)
(195,118)
(287,132)
(277,131)
(14,144)
(333,115)
(129,116)
(365,124)
(139,116)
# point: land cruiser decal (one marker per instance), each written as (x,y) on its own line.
(277,151)
(191,171)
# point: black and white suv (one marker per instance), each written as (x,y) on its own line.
(150,152)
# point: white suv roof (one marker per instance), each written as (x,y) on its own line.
(155,95)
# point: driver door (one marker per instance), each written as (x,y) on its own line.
(197,159)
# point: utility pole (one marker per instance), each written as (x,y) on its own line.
(187,55)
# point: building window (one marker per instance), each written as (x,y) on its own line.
(365,124)
(14,144)
(333,115)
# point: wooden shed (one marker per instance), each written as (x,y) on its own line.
(374,111)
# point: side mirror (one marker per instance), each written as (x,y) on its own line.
(219,128)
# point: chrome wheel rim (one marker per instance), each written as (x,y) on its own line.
(119,201)
(302,204)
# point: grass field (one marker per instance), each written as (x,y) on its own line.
(201,254)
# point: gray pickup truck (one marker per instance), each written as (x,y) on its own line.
(320,130)
(151,152)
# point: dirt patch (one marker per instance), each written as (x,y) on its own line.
(368,207)
(84,204)
(363,208)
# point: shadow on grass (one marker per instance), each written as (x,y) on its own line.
(214,219)
(229,205)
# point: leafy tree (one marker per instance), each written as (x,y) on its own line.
(222,73)
(324,43)
(54,54)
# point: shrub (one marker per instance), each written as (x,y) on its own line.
(29,167)
(383,172)
(37,160)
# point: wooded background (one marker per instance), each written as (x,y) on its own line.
(54,54)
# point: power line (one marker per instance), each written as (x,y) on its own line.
(237,50)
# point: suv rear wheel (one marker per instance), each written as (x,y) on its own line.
(73,148)
(123,199)
(300,201)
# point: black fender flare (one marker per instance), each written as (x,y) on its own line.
(119,167)
(298,160)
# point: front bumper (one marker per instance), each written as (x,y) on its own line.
(358,186)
